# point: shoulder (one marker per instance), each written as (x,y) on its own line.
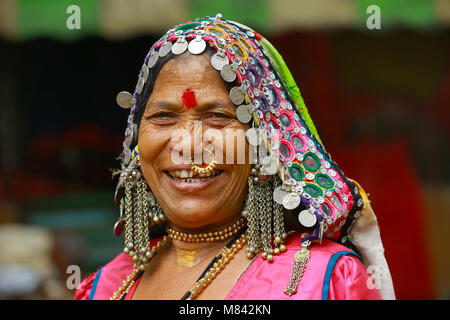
(347,278)
(109,275)
(102,284)
(83,290)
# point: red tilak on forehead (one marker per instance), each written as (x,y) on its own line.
(189,98)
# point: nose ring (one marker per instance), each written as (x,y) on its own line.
(204,168)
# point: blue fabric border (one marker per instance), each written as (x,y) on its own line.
(329,272)
(94,284)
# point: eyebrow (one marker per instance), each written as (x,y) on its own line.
(217,104)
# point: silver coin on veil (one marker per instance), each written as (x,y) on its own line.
(180,46)
(236,95)
(145,72)
(219,60)
(279,194)
(307,218)
(254,136)
(243,114)
(140,85)
(197,46)
(270,165)
(228,73)
(152,59)
(125,99)
(165,49)
(291,201)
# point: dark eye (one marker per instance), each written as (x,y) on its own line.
(220,115)
(162,115)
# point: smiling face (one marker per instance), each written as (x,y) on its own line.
(189,96)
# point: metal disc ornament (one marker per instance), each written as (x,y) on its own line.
(254,137)
(152,59)
(228,73)
(165,49)
(140,85)
(118,228)
(125,99)
(145,72)
(270,165)
(236,95)
(219,60)
(291,201)
(180,46)
(279,194)
(243,114)
(197,46)
(307,218)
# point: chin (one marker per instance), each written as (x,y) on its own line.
(193,214)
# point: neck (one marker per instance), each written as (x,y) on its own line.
(189,254)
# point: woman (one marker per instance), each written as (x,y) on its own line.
(220,153)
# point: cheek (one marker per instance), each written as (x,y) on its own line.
(151,144)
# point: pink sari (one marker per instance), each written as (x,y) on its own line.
(333,272)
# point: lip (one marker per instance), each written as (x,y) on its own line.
(191,187)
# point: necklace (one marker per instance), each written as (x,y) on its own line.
(207,237)
(216,265)
(128,283)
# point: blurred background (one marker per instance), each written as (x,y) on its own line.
(379,97)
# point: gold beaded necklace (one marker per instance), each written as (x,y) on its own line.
(207,237)
(216,265)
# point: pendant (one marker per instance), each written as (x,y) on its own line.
(219,60)
(228,72)
(118,228)
(236,95)
(243,114)
(279,194)
(165,49)
(291,201)
(152,59)
(307,218)
(180,46)
(197,46)
(125,99)
(298,268)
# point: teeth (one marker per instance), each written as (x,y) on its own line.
(184,174)
(188,175)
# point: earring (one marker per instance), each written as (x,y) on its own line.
(262,210)
(156,214)
(139,211)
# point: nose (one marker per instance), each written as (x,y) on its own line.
(186,143)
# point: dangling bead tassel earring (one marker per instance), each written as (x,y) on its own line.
(137,220)
(264,205)
(262,211)
(279,234)
(138,216)
(156,215)
(301,259)
(252,222)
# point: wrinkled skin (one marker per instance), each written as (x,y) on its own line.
(220,202)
